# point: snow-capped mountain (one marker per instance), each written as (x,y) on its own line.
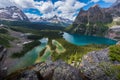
(53,20)
(56,19)
(12,13)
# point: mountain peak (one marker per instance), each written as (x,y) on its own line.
(12,13)
(55,16)
(96,5)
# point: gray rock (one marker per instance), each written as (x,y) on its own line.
(58,70)
(97,66)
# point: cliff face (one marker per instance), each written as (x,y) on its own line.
(94,21)
(93,15)
(91,22)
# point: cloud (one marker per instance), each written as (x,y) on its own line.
(110,1)
(32,15)
(95,1)
(4,3)
(68,8)
(24,3)
(63,8)
(45,7)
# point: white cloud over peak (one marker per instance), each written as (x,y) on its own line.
(63,8)
(4,3)
(68,8)
(45,7)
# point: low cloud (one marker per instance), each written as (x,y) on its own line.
(110,1)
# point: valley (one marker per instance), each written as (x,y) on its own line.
(56,48)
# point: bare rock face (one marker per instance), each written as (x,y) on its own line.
(114,33)
(12,13)
(58,70)
(93,15)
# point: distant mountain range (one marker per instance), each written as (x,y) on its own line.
(55,20)
(12,13)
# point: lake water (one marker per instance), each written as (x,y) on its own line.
(30,57)
(82,40)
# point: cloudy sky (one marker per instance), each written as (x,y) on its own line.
(48,8)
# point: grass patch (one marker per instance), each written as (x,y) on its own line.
(45,54)
(59,47)
(73,52)
(5,39)
(114,52)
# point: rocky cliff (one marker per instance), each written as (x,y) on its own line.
(95,20)
(93,15)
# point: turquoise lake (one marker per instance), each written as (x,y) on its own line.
(82,40)
(30,57)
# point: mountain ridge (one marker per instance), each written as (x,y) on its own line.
(12,13)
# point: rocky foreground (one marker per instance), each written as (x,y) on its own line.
(58,70)
(95,65)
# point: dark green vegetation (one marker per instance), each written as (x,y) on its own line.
(110,70)
(38,34)
(38,26)
(26,48)
(5,38)
(73,52)
(98,29)
(3,31)
(115,53)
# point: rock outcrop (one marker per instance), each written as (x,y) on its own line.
(3,69)
(114,32)
(114,10)
(58,70)
(97,66)
(94,14)
(93,21)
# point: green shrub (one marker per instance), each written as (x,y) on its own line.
(115,52)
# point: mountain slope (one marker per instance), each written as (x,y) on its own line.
(96,20)
(91,22)
(93,15)
(12,13)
